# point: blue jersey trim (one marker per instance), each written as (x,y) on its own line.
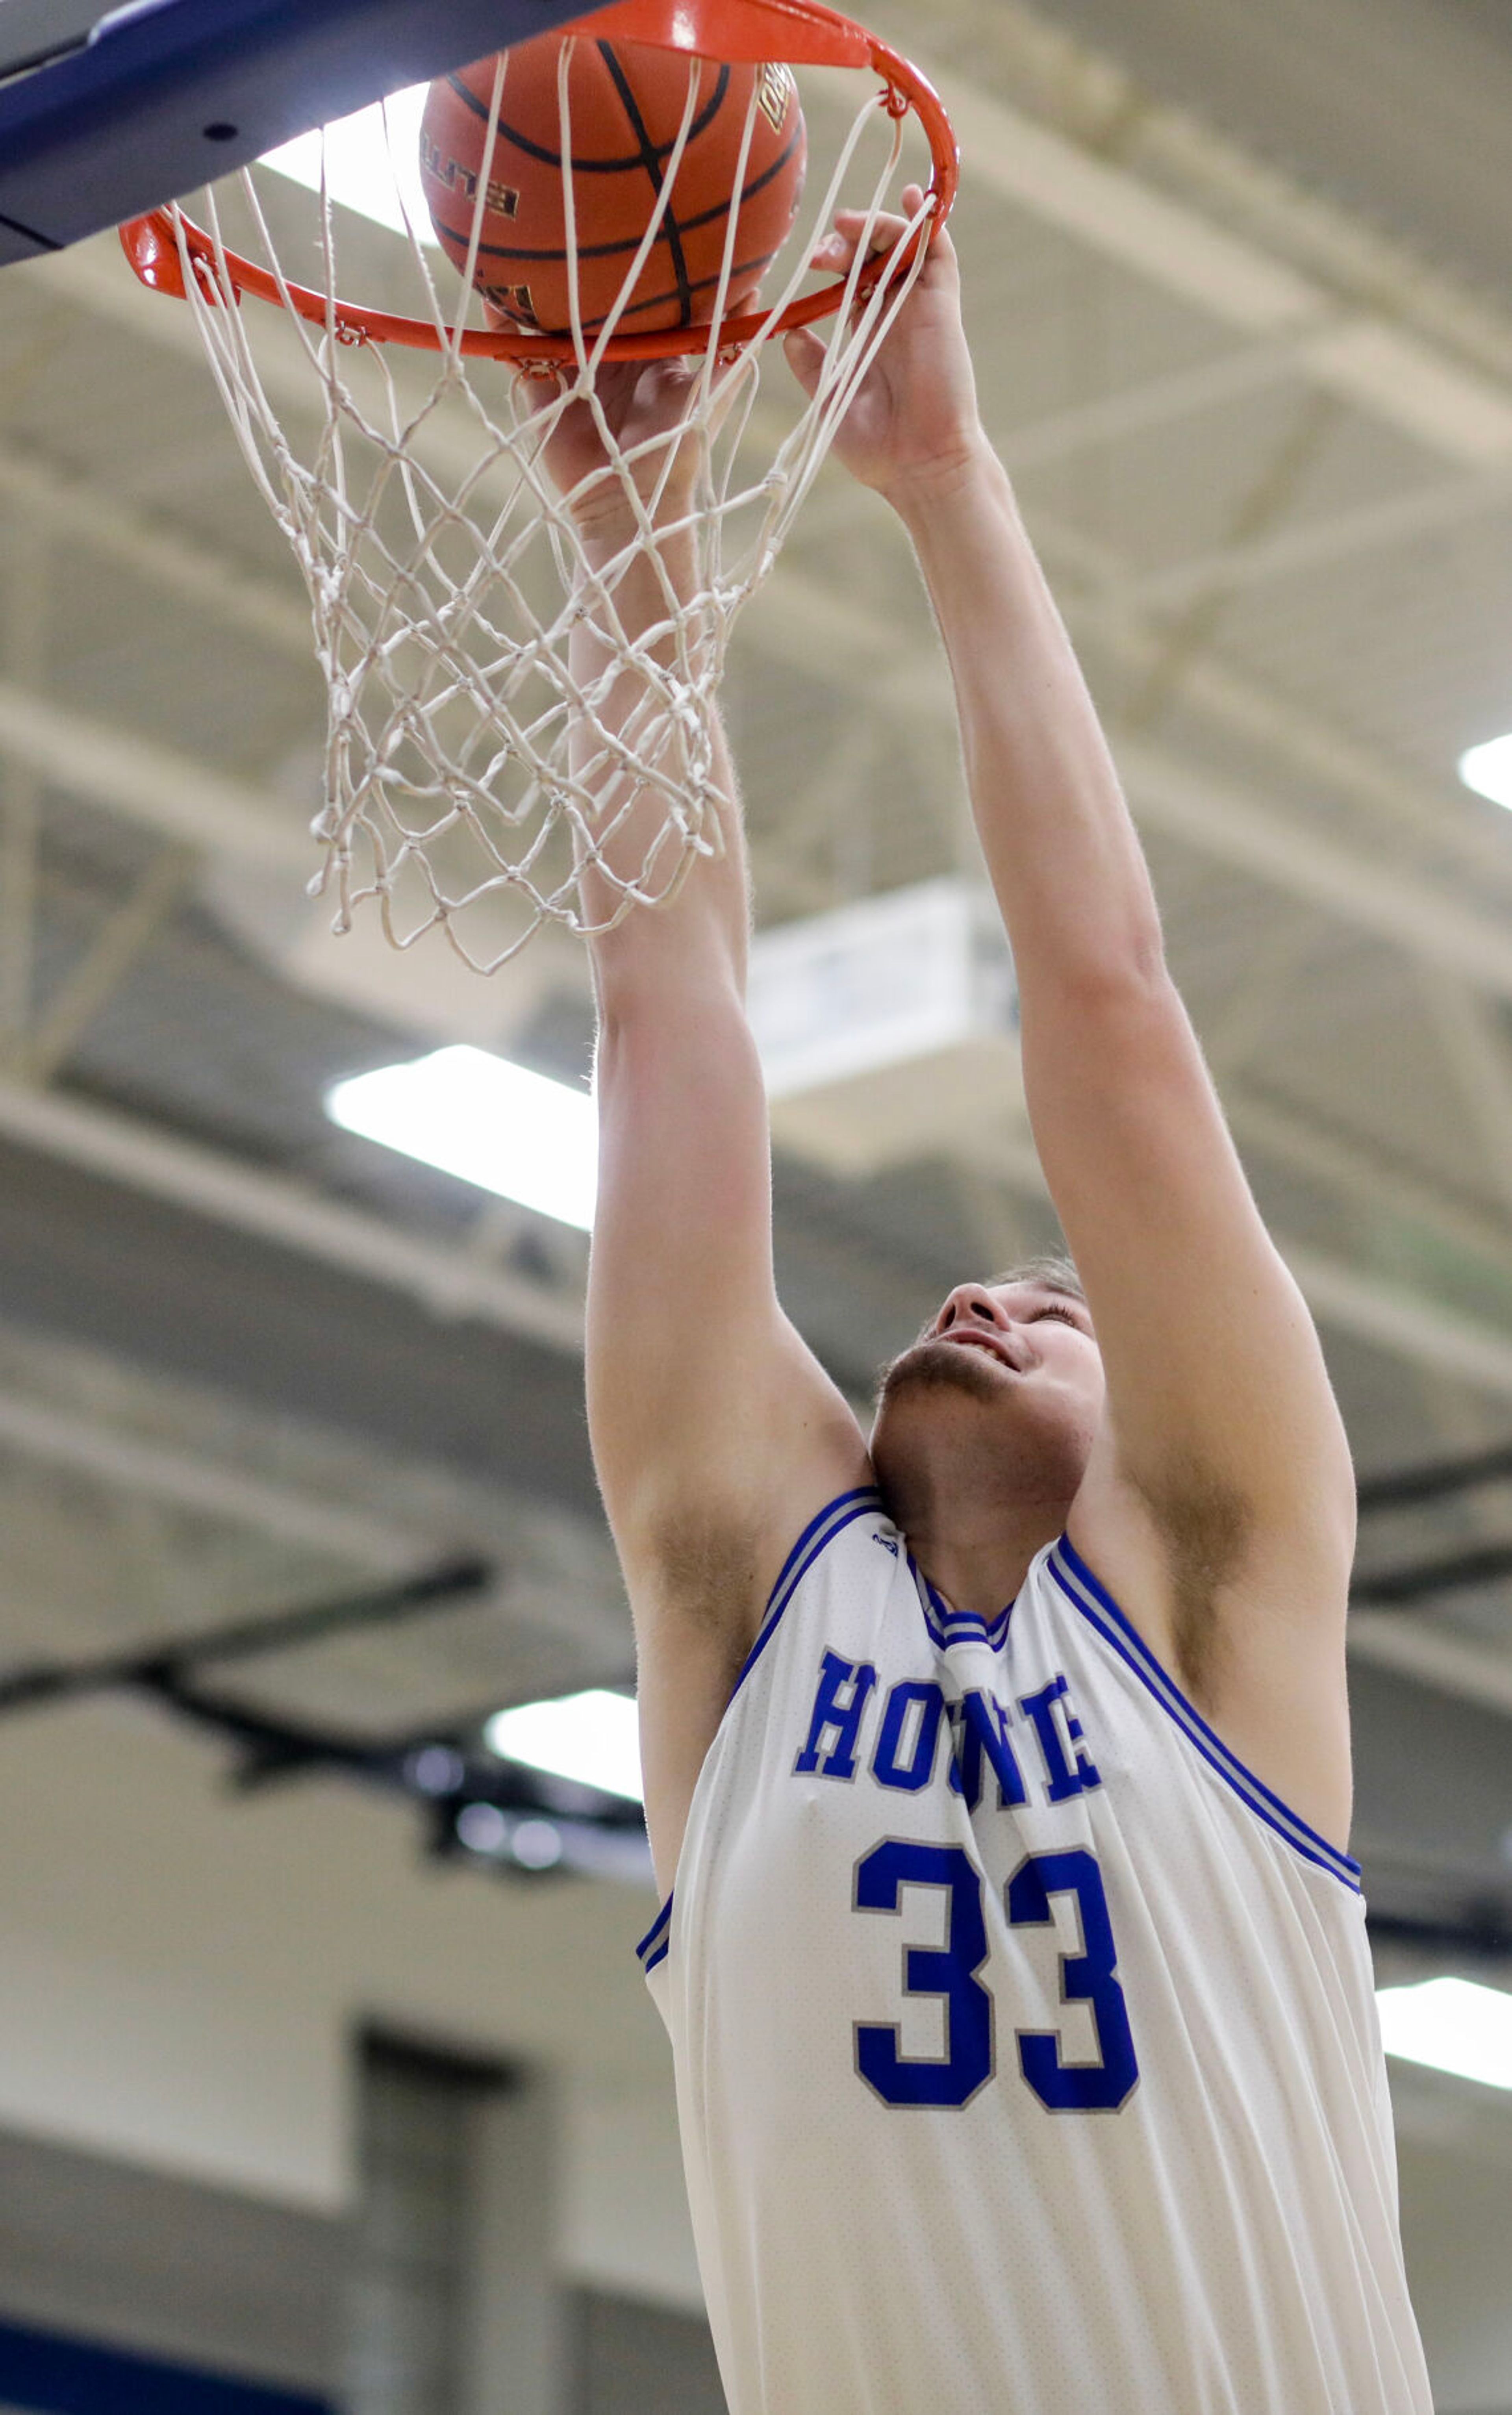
(866,1495)
(812,1543)
(654,1945)
(1099,1607)
(815,1539)
(948,1626)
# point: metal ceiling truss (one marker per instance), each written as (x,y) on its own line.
(540,1824)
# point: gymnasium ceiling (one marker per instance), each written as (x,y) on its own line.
(1239,293)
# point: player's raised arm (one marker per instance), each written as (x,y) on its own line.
(1222,1447)
(715,1434)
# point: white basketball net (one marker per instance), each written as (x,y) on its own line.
(470,776)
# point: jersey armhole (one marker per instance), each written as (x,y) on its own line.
(812,1544)
(1097,1606)
(656,1943)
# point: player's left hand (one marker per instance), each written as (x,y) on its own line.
(914,416)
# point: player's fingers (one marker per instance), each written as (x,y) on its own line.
(837,253)
(537,387)
(883,231)
(886,226)
(805,358)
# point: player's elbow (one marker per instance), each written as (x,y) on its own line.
(686,1045)
(1129,968)
(1126,997)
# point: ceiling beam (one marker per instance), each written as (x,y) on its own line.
(1318,542)
(207,578)
(179,1479)
(128,931)
(1433,1653)
(1406,1325)
(1394,375)
(1182,393)
(1230,823)
(1440,820)
(803,622)
(175,794)
(449,1282)
(1402,1322)
(1472,1046)
(1369,1181)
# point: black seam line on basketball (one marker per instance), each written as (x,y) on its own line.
(639,309)
(633,243)
(651,161)
(504,132)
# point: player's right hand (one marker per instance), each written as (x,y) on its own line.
(641,403)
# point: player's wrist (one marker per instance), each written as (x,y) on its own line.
(622,499)
(608,522)
(948,479)
(605,524)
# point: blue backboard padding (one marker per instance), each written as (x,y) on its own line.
(64,2376)
(120,128)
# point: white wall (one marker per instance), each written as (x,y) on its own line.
(1457,2229)
(180,1971)
(625,2218)
(1455,2157)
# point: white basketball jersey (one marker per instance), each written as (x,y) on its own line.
(1027,2051)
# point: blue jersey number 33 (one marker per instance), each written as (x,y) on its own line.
(949,1973)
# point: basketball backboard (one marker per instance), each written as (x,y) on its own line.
(105,113)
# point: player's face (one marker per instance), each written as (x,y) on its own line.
(1013,1367)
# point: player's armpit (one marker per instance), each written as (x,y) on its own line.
(1220,1507)
(1225,1421)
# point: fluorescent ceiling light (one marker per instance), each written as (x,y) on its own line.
(1451,2025)
(593,1738)
(368,165)
(1487,770)
(487,1121)
(892,978)
(878,983)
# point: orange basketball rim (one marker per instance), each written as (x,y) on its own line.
(803,33)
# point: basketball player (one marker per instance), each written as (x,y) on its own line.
(1016,1969)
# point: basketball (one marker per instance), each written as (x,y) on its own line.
(627,103)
